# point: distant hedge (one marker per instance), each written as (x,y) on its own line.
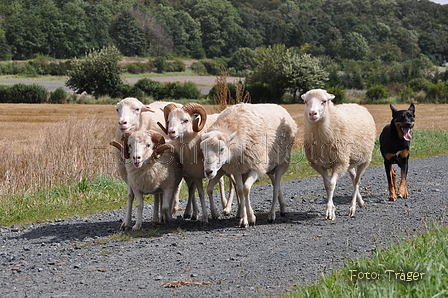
(21,93)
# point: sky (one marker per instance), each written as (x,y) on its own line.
(440,1)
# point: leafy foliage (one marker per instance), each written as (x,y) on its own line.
(98,74)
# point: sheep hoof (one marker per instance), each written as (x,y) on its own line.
(252,224)
(282,214)
(187,215)
(194,217)
(270,220)
(330,217)
(136,228)
(125,227)
(226,213)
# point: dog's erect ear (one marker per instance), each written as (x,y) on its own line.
(412,108)
(394,110)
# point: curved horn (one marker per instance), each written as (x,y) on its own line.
(166,112)
(124,140)
(192,108)
(156,137)
(160,149)
(117,145)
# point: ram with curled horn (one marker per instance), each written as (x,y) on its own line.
(182,127)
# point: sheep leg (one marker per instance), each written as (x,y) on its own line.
(167,197)
(210,187)
(228,207)
(128,220)
(277,193)
(222,192)
(175,200)
(248,217)
(198,182)
(138,222)
(191,203)
(356,176)
(156,208)
(330,184)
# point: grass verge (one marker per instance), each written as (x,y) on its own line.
(416,267)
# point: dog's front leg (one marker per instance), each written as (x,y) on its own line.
(403,163)
(391,180)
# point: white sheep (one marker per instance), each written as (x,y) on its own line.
(133,115)
(183,125)
(151,169)
(337,138)
(249,141)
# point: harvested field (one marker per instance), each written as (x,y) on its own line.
(26,120)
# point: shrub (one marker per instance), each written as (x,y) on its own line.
(178,90)
(151,88)
(58,96)
(21,93)
(338,92)
(160,64)
(98,74)
(408,95)
(138,67)
(259,92)
(419,84)
(176,65)
(437,93)
(377,92)
(198,67)
(214,66)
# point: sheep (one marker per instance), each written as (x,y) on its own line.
(182,126)
(248,141)
(151,169)
(337,138)
(133,115)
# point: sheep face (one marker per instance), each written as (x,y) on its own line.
(216,149)
(129,110)
(140,148)
(316,101)
(180,124)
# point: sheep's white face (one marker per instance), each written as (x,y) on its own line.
(129,114)
(140,149)
(316,101)
(216,150)
(180,124)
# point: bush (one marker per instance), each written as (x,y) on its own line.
(338,92)
(178,90)
(408,95)
(419,84)
(259,92)
(198,67)
(58,96)
(176,65)
(437,93)
(214,66)
(151,88)
(377,92)
(21,93)
(138,67)
(98,74)
(160,64)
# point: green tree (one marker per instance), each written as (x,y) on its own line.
(283,68)
(354,46)
(128,36)
(97,74)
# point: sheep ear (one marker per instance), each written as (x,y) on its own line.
(231,137)
(147,109)
(330,96)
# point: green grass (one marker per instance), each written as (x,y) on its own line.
(416,267)
(106,193)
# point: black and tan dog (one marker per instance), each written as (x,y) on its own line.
(394,145)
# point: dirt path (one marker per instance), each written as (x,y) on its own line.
(79,258)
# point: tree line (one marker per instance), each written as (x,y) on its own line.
(372,30)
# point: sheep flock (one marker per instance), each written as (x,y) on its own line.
(161,144)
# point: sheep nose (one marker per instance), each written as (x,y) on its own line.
(123,122)
(137,158)
(313,113)
(208,172)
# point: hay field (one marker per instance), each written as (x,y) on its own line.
(46,145)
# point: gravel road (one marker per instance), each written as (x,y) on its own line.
(77,257)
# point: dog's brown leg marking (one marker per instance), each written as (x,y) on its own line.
(393,184)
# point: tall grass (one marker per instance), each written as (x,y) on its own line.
(64,154)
